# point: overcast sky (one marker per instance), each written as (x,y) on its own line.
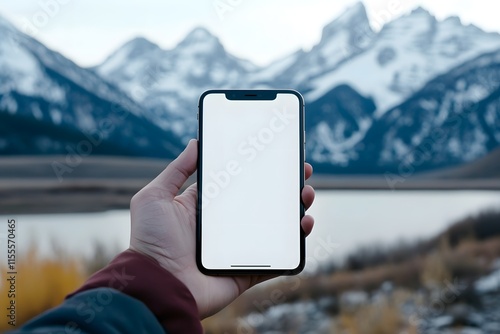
(259,30)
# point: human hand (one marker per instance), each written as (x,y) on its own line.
(164,228)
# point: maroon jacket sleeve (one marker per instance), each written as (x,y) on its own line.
(142,278)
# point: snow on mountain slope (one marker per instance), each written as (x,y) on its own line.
(405,54)
(48,103)
(168,82)
(336,123)
(380,69)
(20,70)
(454,119)
(371,97)
(266,76)
(24,63)
(401,59)
(342,39)
(387,66)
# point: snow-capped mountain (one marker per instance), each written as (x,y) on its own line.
(376,70)
(335,124)
(342,39)
(404,55)
(373,99)
(453,119)
(394,64)
(168,82)
(49,105)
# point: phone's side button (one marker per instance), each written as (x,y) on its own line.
(304,145)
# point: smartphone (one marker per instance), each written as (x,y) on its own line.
(250,178)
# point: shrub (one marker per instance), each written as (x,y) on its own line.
(42,283)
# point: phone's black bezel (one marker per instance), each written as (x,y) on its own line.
(248,94)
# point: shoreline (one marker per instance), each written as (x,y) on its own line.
(29,185)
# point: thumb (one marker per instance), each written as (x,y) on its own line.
(191,193)
(178,171)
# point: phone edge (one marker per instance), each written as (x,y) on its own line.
(226,272)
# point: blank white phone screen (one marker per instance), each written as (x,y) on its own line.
(250,187)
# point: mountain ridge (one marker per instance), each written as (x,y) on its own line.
(344,78)
(49,91)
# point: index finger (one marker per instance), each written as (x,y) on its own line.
(308,170)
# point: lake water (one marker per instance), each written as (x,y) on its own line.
(344,220)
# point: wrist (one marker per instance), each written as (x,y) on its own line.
(141,277)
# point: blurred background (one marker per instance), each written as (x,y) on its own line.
(402,126)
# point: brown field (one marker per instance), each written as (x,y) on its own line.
(30,184)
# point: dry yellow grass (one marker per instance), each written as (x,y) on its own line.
(380,318)
(41,284)
(469,258)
